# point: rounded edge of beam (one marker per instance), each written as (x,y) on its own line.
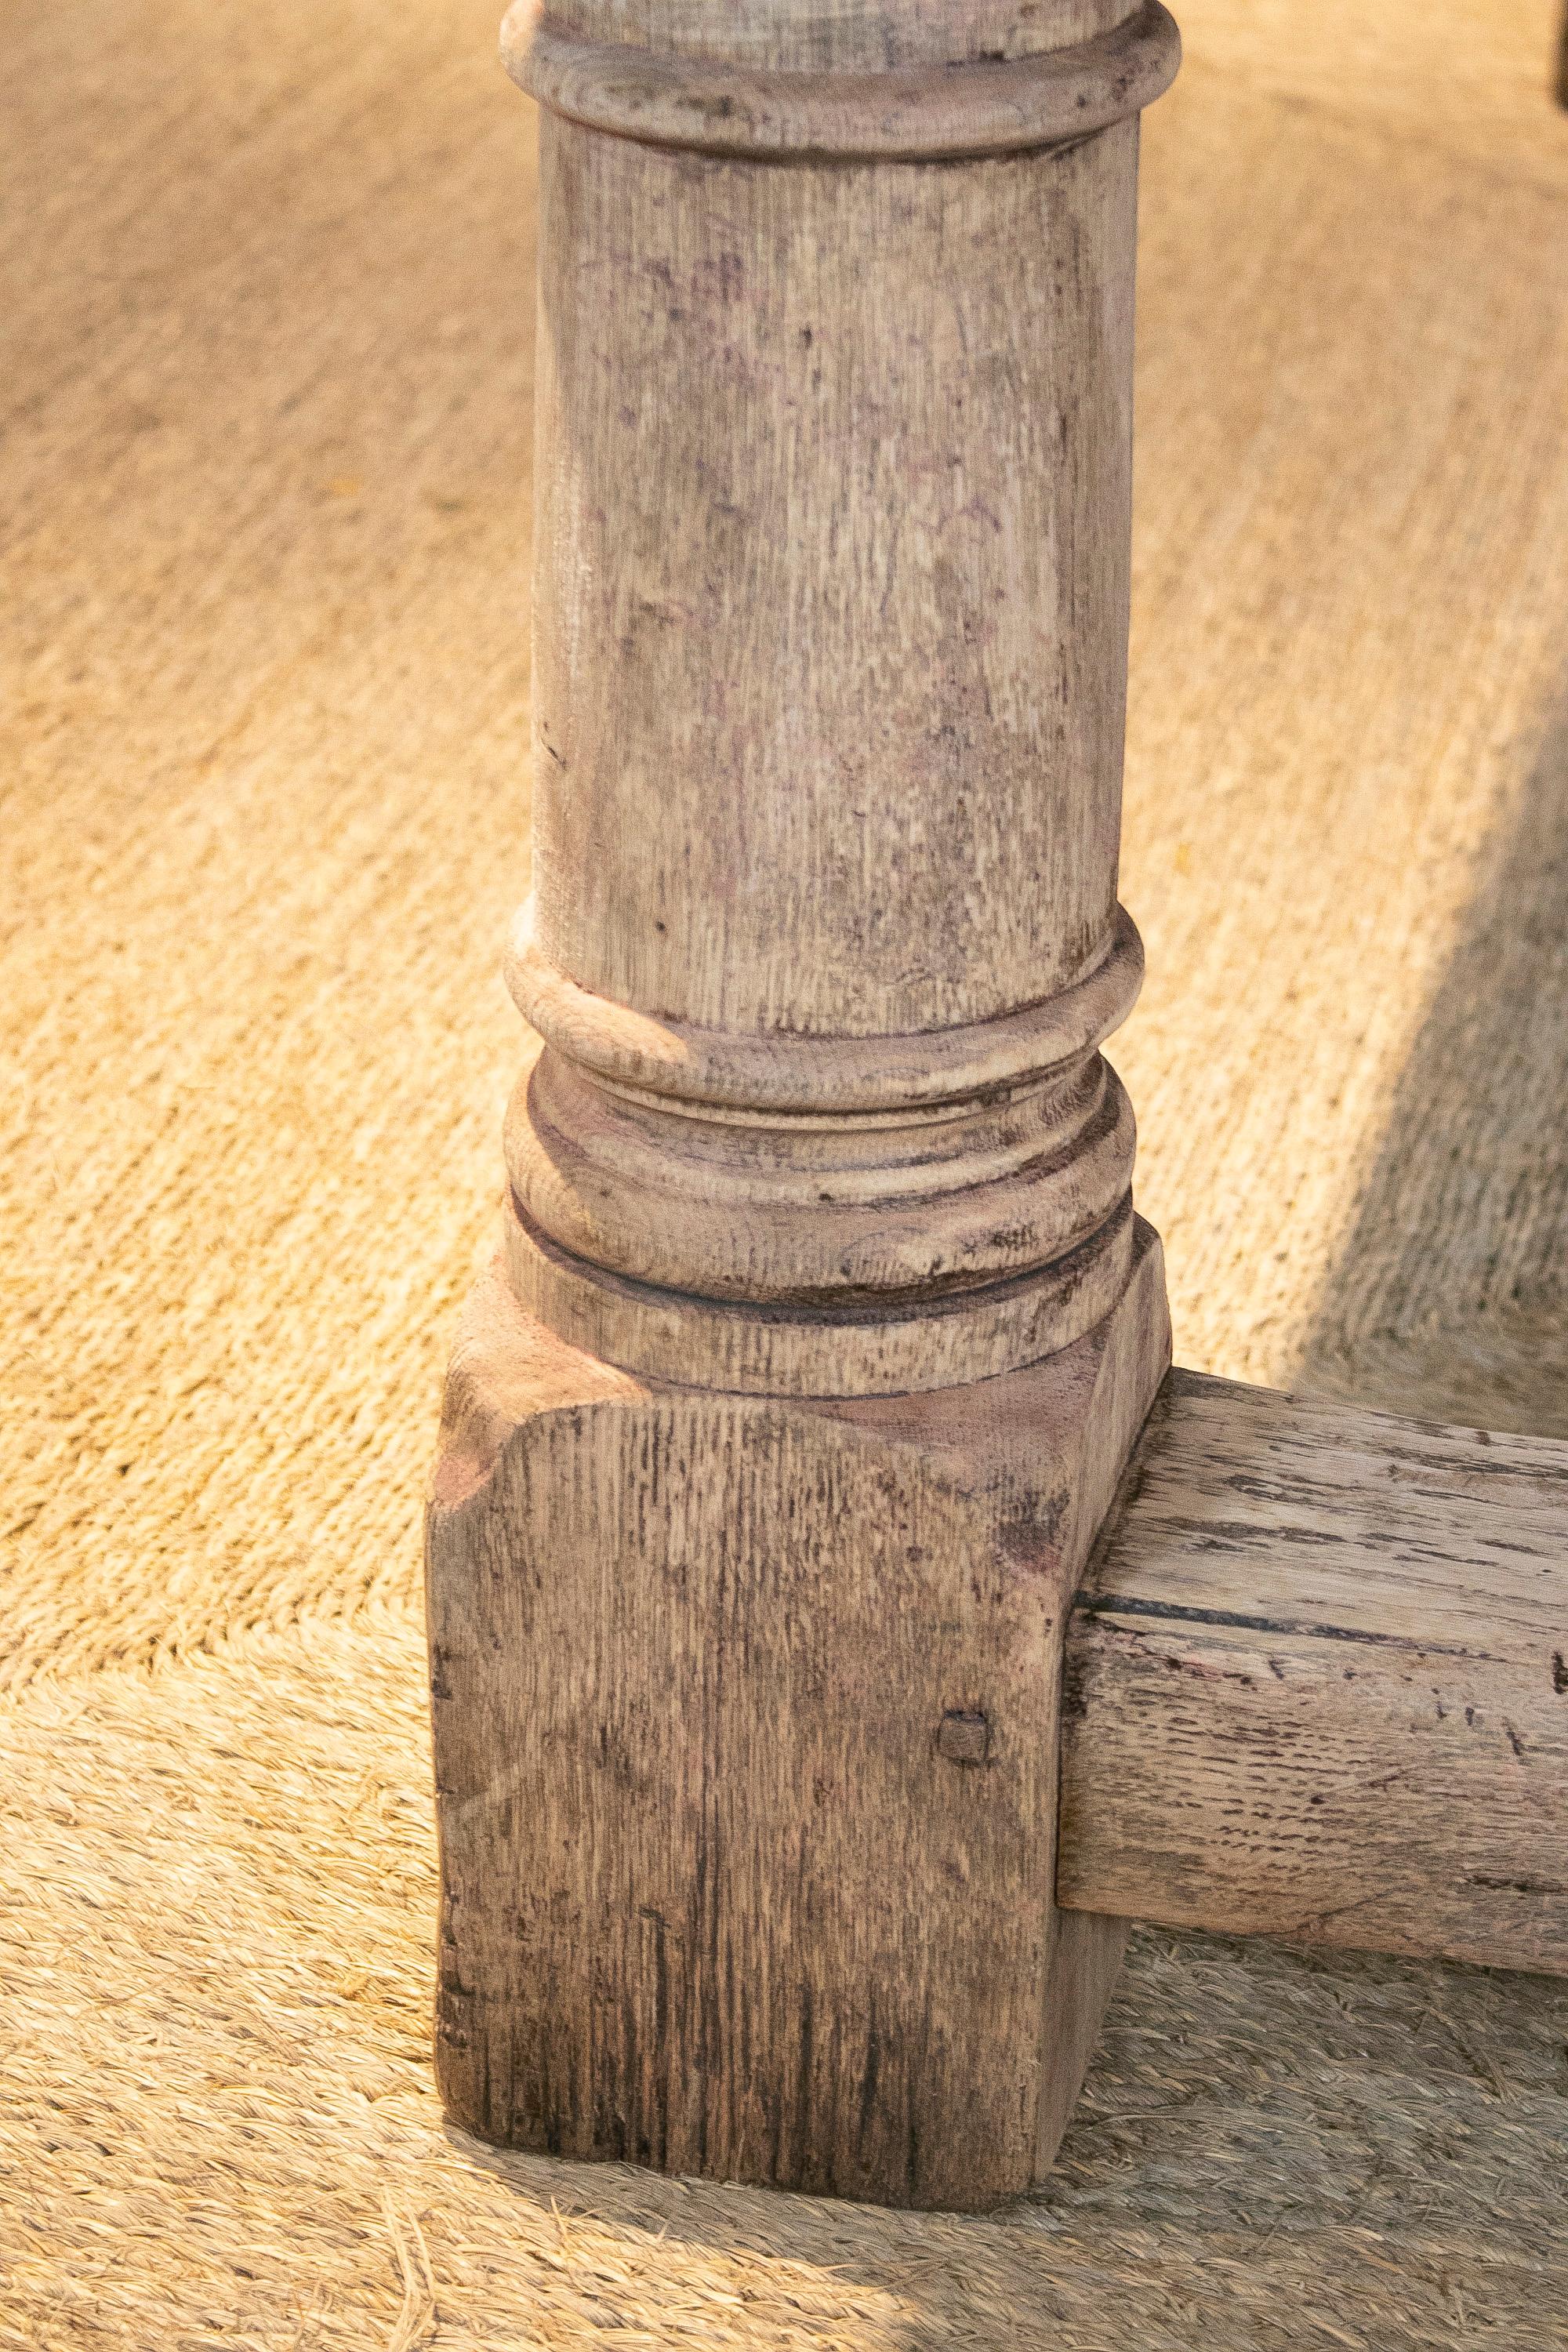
(804,1075)
(787,1220)
(978,108)
(672,1336)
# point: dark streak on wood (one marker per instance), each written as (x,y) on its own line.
(1127,1604)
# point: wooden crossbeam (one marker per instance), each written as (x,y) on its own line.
(1317,1684)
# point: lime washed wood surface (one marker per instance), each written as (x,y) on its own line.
(720,1892)
(832,541)
(1317,1684)
(266,486)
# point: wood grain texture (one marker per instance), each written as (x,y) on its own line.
(972,103)
(822,1326)
(842,35)
(745,1718)
(832,523)
(1317,1684)
(830,581)
(805,1352)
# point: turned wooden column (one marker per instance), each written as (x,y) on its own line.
(775,1446)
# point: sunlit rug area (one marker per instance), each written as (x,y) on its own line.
(266,301)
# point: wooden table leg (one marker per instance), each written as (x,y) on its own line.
(776,1444)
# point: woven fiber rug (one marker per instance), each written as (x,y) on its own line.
(266,291)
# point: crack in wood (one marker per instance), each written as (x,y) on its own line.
(1131,1604)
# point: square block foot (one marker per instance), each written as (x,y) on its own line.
(746,1739)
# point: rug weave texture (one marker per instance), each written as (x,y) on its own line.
(266,274)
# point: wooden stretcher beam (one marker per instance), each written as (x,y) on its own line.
(1317,1684)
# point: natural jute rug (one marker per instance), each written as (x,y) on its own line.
(264,279)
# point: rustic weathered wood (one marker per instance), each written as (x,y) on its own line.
(824,1327)
(832,546)
(1317,1684)
(745,1719)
